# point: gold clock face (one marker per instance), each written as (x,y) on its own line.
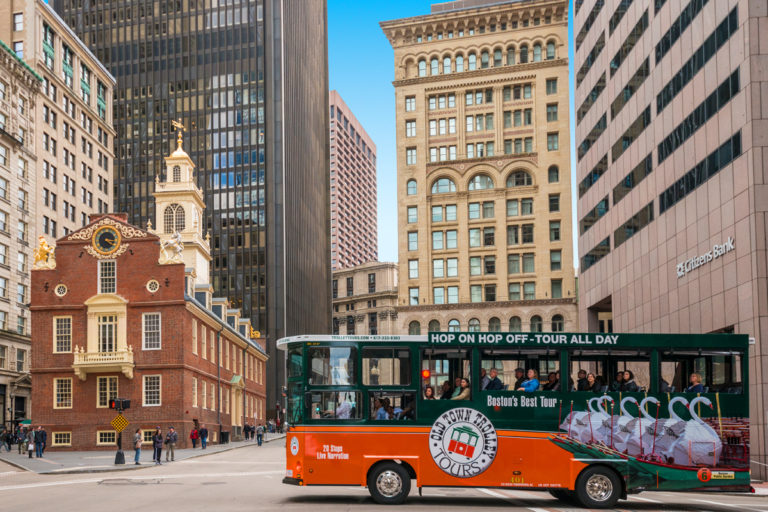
(106,240)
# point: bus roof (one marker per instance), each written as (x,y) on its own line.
(325,338)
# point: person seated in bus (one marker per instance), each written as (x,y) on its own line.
(429,393)
(581,381)
(591,383)
(519,377)
(552,382)
(696,385)
(456,387)
(664,387)
(344,409)
(484,379)
(616,384)
(464,390)
(628,384)
(381,411)
(447,392)
(494,383)
(531,383)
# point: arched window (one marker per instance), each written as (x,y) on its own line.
(433,66)
(494,325)
(434,325)
(422,67)
(453,325)
(474,325)
(459,63)
(558,323)
(524,54)
(411,187)
(176,173)
(519,179)
(536,324)
(497,58)
(173,217)
(515,324)
(511,56)
(553,174)
(537,52)
(446,65)
(414,328)
(550,50)
(472,62)
(484,58)
(481,182)
(443,186)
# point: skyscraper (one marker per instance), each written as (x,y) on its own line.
(483,168)
(671,145)
(249,80)
(353,189)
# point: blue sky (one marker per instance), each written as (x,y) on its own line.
(361,69)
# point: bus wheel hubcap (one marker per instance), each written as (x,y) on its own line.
(389,484)
(599,487)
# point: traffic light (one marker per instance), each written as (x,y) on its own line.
(120,404)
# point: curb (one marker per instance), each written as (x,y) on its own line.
(76,471)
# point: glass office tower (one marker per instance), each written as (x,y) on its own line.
(249,80)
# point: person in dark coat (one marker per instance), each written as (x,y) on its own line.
(41,436)
(203,437)
(157,444)
(495,383)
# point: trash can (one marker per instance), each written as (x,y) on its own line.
(224,437)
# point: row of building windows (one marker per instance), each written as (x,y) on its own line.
(107,389)
(483,181)
(486,265)
(350,282)
(513,24)
(677,27)
(230,356)
(494,325)
(496,58)
(483,237)
(486,293)
(485,149)
(484,210)
(13,359)
(629,43)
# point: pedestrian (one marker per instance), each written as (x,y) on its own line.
(171,438)
(39,441)
(203,437)
(137,438)
(11,439)
(259,434)
(30,442)
(157,445)
(4,437)
(21,438)
(247,431)
(194,436)
(45,440)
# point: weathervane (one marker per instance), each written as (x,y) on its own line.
(179,128)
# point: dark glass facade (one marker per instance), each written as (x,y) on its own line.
(249,97)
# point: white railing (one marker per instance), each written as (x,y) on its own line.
(86,358)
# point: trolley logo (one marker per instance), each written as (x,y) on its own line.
(294,446)
(463,442)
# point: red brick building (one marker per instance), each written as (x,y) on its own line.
(119,311)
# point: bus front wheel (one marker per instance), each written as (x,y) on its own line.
(598,487)
(389,484)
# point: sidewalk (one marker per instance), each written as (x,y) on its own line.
(59,462)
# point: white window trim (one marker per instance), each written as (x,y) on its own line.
(144,391)
(71,391)
(71,341)
(106,406)
(144,330)
(99,275)
(53,438)
(98,438)
(194,392)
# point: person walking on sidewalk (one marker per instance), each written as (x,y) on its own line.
(21,439)
(171,438)
(40,438)
(157,445)
(30,442)
(203,437)
(259,434)
(137,438)
(194,436)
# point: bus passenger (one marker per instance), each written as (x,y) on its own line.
(429,393)
(616,385)
(447,391)
(629,382)
(463,390)
(552,383)
(696,385)
(531,383)
(456,387)
(381,411)
(495,383)
(581,381)
(484,379)
(519,377)
(591,384)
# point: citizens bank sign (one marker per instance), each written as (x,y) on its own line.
(717,250)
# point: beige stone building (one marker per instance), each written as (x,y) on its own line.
(73,118)
(671,124)
(364,299)
(19,87)
(484,185)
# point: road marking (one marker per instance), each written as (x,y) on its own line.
(4,473)
(158,478)
(649,500)
(229,462)
(731,505)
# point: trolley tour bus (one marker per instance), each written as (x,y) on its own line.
(588,417)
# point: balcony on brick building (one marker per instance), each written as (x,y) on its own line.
(103,362)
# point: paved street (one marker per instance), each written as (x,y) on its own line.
(249,478)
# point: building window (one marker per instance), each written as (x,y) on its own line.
(554,231)
(61,439)
(438,295)
(437,240)
(553,174)
(536,323)
(490,293)
(62,393)
(529,291)
(173,218)
(554,202)
(443,186)
(151,331)
(107,276)
(527,233)
(413,296)
(476,293)
(18,22)
(551,85)
(151,390)
(452,267)
(413,241)
(350,286)
(555,260)
(411,187)
(514,291)
(413,214)
(410,156)
(453,325)
(414,328)
(371,283)
(410,103)
(18,49)
(413,269)
(438,268)
(107,390)
(553,141)
(557,288)
(410,129)
(558,323)
(106,437)
(552,112)
(62,334)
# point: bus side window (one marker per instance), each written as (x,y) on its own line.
(335,405)
(512,367)
(715,371)
(334,366)
(384,366)
(444,369)
(392,405)
(618,371)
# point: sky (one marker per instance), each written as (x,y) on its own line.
(361,69)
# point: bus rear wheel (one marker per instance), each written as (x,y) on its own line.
(598,487)
(389,484)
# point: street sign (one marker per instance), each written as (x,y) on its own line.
(119,423)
